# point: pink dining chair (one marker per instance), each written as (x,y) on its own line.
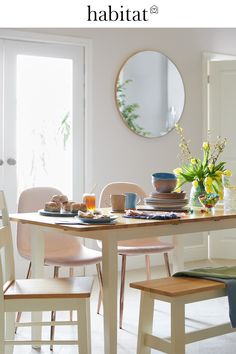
(60,250)
(145,246)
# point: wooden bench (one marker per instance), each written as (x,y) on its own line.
(177,291)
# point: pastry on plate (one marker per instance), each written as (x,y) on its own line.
(63,199)
(56,198)
(78,206)
(67,206)
(52,206)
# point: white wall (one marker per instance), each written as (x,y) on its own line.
(117,153)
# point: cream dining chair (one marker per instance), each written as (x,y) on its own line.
(145,247)
(38,295)
(60,250)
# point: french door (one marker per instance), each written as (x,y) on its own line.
(41,117)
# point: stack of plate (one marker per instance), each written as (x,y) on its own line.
(166,201)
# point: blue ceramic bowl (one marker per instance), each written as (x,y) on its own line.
(163,175)
(164,182)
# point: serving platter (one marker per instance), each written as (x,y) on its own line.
(57,213)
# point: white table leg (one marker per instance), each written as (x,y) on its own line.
(37,252)
(178,253)
(109,268)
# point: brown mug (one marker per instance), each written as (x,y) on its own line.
(117,202)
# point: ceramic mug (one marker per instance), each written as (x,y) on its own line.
(132,199)
(117,202)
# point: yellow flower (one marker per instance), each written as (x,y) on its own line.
(195,183)
(219,173)
(208,181)
(193,161)
(208,184)
(211,166)
(218,179)
(209,188)
(221,194)
(177,126)
(178,185)
(227,173)
(206,146)
(177,171)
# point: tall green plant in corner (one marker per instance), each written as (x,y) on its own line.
(129,111)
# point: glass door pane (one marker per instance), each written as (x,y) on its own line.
(44,121)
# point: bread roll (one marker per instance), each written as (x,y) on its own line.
(78,206)
(56,198)
(63,199)
(67,206)
(52,206)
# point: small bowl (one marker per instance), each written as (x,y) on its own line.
(164,182)
(208,200)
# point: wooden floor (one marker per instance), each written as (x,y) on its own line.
(199,314)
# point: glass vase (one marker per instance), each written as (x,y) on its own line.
(195,193)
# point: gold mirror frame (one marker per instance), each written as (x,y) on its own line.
(150,98)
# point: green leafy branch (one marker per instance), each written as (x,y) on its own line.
(65,129)
(129,111)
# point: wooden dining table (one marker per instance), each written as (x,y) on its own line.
(110,235)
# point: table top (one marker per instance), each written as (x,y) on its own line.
(123,223)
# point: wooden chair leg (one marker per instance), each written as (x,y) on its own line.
(71,274)
(18,316)
(148,268)
(122,289)
(53,313)
(167,264)
(100,283)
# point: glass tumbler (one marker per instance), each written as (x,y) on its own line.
(90,200)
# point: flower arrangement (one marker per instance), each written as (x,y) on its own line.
(206,173)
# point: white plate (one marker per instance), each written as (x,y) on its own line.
(166,205)
(166,201)
(167,208)
(99,220)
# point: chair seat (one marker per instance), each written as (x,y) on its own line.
(177,286)
(76,257)
(144,246)
(73,287)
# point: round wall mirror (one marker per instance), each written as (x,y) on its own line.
(150,94)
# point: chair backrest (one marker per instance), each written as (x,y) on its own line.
(31,200)
(119,188)
(7,268)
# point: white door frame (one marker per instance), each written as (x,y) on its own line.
(206,58)
(86,163)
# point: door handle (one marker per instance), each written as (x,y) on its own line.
(11,161)
(1,162)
